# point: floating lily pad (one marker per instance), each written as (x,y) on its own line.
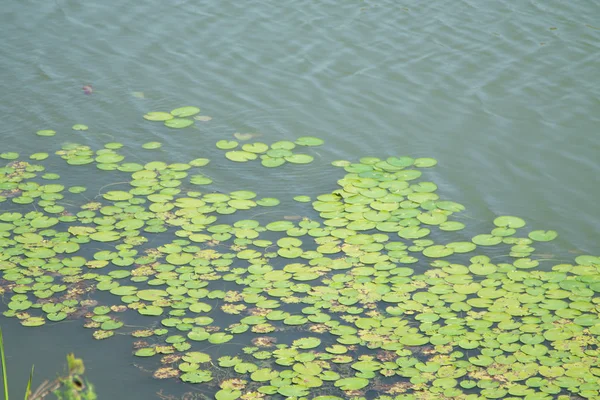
(219,338)
(255,147)
(183,112)
(158,116)
(109,158)
(268,202)
(240,156)
(487,240)
(227,144)
(543,236)
(39,156)
(117,195)
(152,145)
(302,199)
(270,162)
(46,132)
(425,162)
(299,158)
(9,155)
(179,123)
(509,222)
(351,383)
(309,141)
(228,394)
(438,251)
(199,162)
(198,376)
(307,343)
(292,391)
(111,325)
(151,310)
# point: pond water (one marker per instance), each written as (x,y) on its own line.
(504,95)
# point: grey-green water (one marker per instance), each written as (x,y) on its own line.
(506,95)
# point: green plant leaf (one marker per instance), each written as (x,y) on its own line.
(543,236)
(354,383)
(183,112)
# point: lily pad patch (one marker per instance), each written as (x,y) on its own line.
(368,286)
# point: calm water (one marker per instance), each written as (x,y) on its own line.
(506,95)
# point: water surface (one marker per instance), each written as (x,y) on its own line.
(506,95)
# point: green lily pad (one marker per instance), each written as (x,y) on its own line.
(438,251)
(117,195)
(179,123)
(263,375)
(228,394)
(111,325)
(151,310)
(299,158)
(152,145)
(452,226)
(302,199)
(183,112)
(109,158)
(414,340)
(309,141)
(486,240)
(151,294)
(255,147)
(271,162)
(39,156)
(219,338)
(46,132)
(307,343)
(105,236)
(509,222)
(292,391)
(425,162)
(354,383)
(240,156)
(227,144)
(196,357)
(543,236)
(295,320)
(199,162)
(268,202)
(158,116)
(198,376)
(9,155)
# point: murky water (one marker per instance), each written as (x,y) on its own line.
(505,95)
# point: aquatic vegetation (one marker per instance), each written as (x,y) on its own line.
(272,156)
(152,145)
(4,377)
(176,118)
(376,287)
(69,387)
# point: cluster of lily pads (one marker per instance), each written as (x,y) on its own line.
(275,155)
(177,118)
(376,292)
